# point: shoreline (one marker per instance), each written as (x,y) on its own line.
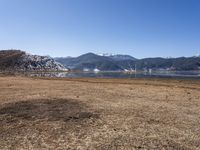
(105,75)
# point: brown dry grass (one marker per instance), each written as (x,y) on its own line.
(99,113)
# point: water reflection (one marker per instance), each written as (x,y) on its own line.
(157,74)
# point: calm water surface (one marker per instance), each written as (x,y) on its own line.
(156,74)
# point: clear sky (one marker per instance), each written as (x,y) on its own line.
(141,28)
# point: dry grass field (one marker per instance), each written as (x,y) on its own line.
(101,114)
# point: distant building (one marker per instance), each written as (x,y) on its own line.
(96,70)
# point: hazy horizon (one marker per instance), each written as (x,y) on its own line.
(140,28)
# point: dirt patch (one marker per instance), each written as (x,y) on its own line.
(51,110)
(42,124)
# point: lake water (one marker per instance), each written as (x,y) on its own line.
(156,74)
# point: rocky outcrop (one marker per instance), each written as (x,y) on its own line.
(17,60)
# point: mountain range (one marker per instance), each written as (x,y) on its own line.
(17,60)
(91,61)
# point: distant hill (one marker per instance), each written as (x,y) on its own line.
(181,63)
(103,62)
(17,60)
(91,61)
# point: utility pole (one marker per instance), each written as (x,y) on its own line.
(135,67)
(135,70)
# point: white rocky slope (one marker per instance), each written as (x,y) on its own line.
(20,60)
(35,62)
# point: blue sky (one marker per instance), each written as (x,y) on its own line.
(141,28)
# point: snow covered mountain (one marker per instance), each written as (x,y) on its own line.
(117,57)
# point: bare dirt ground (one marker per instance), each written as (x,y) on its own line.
(99,113)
